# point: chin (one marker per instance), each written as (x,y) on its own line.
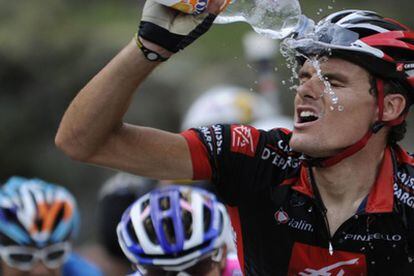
(310,146)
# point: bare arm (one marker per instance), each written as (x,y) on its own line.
(92,129)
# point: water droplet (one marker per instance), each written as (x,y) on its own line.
(372,262)
(341,108)
(256,82)
(283,82)
(356,217)
(330,7)
(276,69)
(362,249)
(310,209)
(394,245)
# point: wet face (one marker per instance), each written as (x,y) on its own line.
(319,131)
(38,270)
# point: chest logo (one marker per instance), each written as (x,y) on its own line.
(281,217)
(308,260)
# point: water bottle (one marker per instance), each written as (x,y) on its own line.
(275,19)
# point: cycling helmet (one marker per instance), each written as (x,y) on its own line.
(36,213)
(383,46)
(173,228)
(115,196)
(227,105)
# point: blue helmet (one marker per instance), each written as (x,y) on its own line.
(173,228)
(36,213)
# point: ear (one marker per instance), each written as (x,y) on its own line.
(394,105)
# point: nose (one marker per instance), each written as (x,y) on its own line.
(311,88)
(39,269)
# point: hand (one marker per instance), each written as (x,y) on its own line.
(167,31)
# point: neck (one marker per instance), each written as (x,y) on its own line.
(349,181)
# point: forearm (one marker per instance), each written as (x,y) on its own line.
(97,111)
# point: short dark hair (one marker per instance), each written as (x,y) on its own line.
(396,133)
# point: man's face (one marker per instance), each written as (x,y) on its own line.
(39,269)
(332,131)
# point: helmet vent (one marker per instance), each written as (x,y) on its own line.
(207,218)
(168,227)
(149,228)
(164,203)
(188,224)
(131,232)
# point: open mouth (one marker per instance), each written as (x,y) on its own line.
(307,116)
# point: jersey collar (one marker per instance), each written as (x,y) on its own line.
(381,197)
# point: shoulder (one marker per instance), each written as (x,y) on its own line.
(77,265)
(404,180)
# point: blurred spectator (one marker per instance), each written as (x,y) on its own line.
(227,104)
(115,196)
(261,52)
(38,222)
(177,230)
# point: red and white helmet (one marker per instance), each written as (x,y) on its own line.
(383,46)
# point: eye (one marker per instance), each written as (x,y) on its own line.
(333,82)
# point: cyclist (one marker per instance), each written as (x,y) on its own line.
(334,196)
(177,230)
(38,222)
(227,104)
(116,195)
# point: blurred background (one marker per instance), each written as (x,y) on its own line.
(50,48)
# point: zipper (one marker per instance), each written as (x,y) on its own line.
(322,208)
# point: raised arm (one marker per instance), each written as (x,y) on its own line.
(92,129)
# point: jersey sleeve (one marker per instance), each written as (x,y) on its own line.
(240,159)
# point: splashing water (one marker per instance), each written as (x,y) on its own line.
(272,18)
(291,55)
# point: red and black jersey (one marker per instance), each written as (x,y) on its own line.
(279,222)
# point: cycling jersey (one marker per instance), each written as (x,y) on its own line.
(77,265)
(232,266)
(280,225)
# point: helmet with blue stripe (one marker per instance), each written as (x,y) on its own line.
(36,213)
(173,228)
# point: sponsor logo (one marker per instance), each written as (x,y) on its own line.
(217,142)
(407,66)
(244,139)
(218,134)
(201,6)
(278,160)
(308,260)
(403,196)
(207,137)
(281,217)
(301,225)
(406,179)
(373,236)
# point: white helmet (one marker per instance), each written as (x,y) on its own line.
(173,228)
(278,121)
(227,104)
